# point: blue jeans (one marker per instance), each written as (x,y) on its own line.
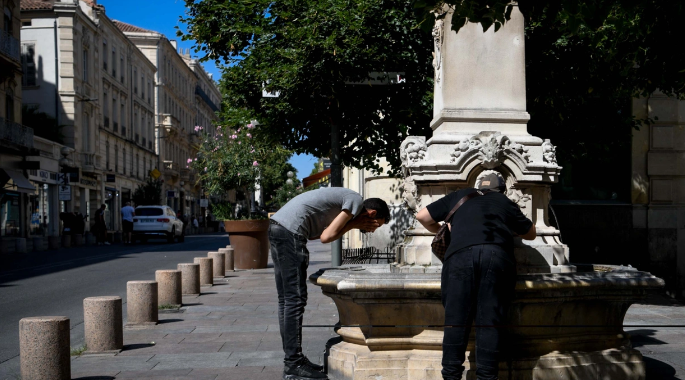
(291,259)
(477,286)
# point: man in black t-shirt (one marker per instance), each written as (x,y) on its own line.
(479,271)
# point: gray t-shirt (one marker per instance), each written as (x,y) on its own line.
(308,214)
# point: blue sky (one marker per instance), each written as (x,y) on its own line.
(163,16)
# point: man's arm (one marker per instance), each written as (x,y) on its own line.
(530,235)
(344,222)
(425,218)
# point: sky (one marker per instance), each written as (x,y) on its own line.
(163,16)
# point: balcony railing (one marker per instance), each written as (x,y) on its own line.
(16,133)
(171,167)
(10,46)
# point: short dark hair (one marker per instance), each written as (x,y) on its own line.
(382,210)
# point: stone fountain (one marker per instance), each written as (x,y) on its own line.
(566,320)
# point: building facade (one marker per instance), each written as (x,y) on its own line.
(89,77)
(16,140)
(186,97)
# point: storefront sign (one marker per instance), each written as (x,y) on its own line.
(111,178)
(89,183)
(64,193)
(43,176)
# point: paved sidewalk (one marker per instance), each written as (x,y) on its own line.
(231,332)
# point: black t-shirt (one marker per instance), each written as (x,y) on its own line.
(488,219)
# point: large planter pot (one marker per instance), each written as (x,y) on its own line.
(250,240)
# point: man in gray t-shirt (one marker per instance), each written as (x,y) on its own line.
(324,214)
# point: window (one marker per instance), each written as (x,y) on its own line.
(149,92)
(25,22)
(8,21)
(28,63)
(9,105)
(104,54)
(107,155)
(86,133)
(123,156)
(131,162)
(105,110)
(137,167)
(116,159)
(135,125)
(121,67)
(123,120)
(85,65)
(114,61)
(135,80)
(142,86)
(115,123)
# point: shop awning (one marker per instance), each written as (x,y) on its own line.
(316,178)
(21,183)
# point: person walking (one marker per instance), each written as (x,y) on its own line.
(101,226)
(127,214)
(325,214)
(479,271)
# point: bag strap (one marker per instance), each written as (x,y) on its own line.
(463,200)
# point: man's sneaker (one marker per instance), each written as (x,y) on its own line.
(302,371)
(313,365)
(107,243)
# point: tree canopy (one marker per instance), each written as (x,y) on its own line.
(310,53)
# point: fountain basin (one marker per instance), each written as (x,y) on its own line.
(563,325)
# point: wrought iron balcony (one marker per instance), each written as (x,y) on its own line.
(89,162)
(171,168)
(16,133)
(10,46)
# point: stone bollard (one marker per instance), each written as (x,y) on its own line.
(102,322)
(206,269)
(53,243)
(219,264)
(169,287)
(190,278)
(38,244)
(141,303)
(20,245)
(66,241)
(229,266)
(77,240)
(44,348)
(90,239)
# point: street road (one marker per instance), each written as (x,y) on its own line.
(56,282)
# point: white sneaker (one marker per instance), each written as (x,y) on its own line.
(107,243)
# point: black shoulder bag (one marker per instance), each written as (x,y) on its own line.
(443,238)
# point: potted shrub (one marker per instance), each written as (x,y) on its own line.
(232,160)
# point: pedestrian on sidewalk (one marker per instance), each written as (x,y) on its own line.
(101,226)
(127,214)
(325,214)
(479,270)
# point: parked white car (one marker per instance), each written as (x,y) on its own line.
(157,222)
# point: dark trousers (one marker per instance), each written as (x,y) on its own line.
(477,286)
(291,259)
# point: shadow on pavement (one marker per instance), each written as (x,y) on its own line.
(658,370)
(643,337)
(130,347)
(22,266)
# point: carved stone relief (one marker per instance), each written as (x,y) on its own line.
(437,41)
(412,150)
(517,196)
(491,147)
(549,152)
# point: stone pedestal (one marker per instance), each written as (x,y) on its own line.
(169,284)
(229,263)
(77,240)
(103,325)
(141,303)
(44,348)
(54,242)
(219,263)
(190,279)
(66,241)
(206,270)
(20,245)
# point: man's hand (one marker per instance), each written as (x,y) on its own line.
(365,224)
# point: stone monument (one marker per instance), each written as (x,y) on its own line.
(566,319)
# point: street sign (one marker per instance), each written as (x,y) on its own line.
(204,202)
(64,193)
(154,173)
(63,178)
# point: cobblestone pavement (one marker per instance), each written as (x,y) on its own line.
(231,332)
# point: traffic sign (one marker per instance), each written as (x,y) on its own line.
(154,173)
(64,193)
